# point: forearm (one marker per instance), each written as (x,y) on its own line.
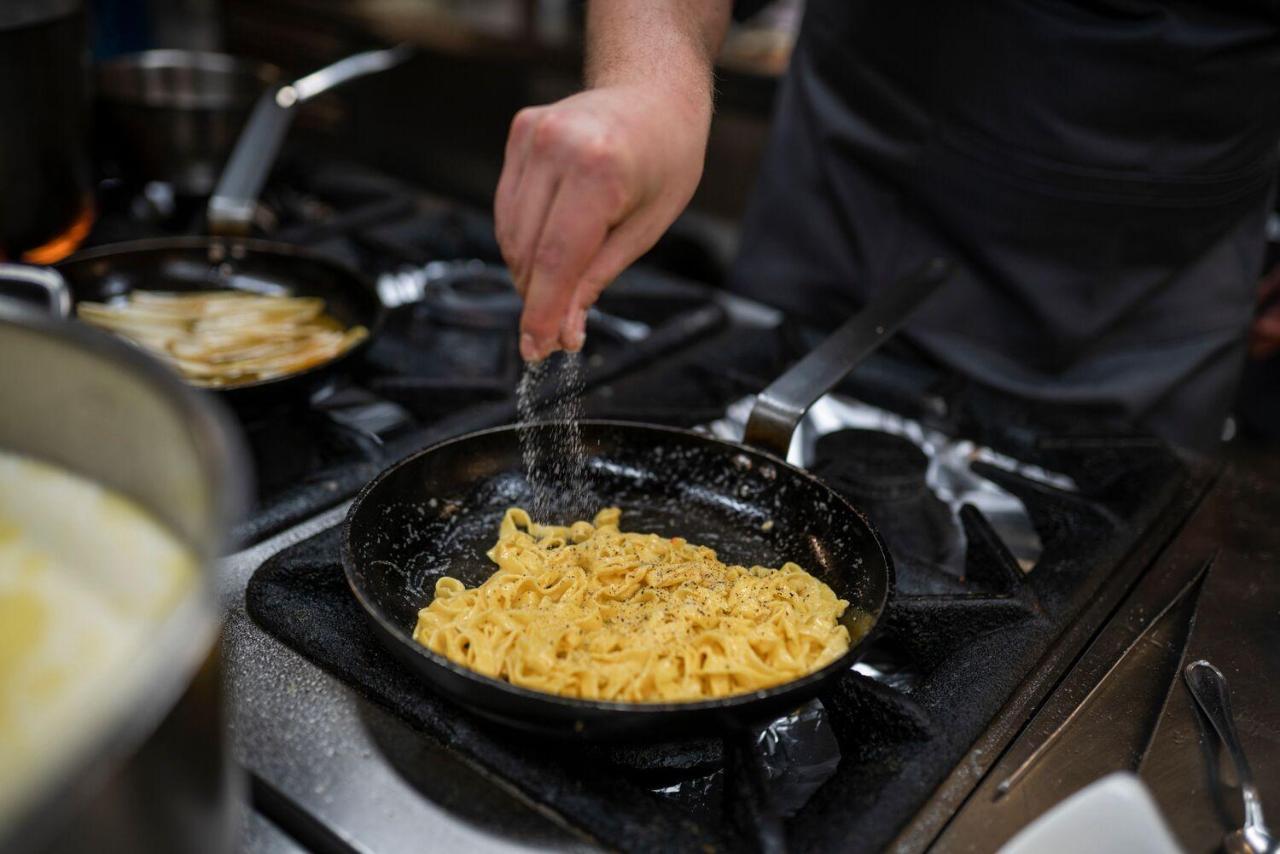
(669,43)
(590,182)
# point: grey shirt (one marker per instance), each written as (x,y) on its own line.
(1099,171)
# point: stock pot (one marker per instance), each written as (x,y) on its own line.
(157,775)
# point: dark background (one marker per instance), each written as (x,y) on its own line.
(441,120)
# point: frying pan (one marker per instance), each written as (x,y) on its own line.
(185,264)
(229,260)
(437,512)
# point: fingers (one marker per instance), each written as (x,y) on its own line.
(1269,284)
(571,210)
(514,163)
(1264,339)
(624,244)
(537,191)
(572,235)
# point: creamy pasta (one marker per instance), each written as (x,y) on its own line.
(86,579)
(590,611)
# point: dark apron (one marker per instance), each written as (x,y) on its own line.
(1100,172)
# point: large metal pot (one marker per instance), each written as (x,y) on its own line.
(161,777)
(174,115)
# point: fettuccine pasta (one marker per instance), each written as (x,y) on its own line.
(590,611)
(227,338)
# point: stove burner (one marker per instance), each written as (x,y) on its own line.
(472,295)
(475,295)
(885,475)
(295,451)
(873,465)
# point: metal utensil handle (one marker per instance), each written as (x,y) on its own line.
(631,331)
(232,204)
(233,201)
(369,62)
(1209,688)
(46,279)
(779,408)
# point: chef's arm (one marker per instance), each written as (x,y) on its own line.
(591,182)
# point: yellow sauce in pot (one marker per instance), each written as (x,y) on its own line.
(85,578)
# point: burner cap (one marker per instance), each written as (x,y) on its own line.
(872,464)
(473,295)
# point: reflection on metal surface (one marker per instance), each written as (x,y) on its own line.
(950,474)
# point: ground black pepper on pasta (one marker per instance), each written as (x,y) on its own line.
(589,611)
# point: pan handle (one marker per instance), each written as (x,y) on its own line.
(233,201)
(779,408)
(48,281)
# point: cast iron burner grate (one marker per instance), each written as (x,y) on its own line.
(946,662)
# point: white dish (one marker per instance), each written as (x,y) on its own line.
(1114,815)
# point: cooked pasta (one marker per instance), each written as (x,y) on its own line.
(227,338)
(589,611)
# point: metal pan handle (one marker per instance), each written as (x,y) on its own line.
(46,280)
(779,408)
(232,204)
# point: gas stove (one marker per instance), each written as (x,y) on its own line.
(1032,547)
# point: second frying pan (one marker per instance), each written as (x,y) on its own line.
(185,264)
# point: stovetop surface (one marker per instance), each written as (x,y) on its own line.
(1016,529)
(857,765)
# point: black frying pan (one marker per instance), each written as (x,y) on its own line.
(437,512)
(183,264)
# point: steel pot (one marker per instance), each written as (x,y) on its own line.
(174,115)
(159,777)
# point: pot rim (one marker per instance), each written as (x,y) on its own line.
(164,79)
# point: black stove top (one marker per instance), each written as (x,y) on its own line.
(967,624)
(862,762)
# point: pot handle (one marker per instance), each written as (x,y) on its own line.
(779,408)
(47,280)
(232,204)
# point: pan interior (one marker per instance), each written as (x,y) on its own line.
(437,514)
(110,274)
(188,264)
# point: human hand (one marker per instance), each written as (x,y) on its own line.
(1264,335)
(588,185)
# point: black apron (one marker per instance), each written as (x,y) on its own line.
(1100,172)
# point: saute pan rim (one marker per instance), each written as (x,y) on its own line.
(571,704)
